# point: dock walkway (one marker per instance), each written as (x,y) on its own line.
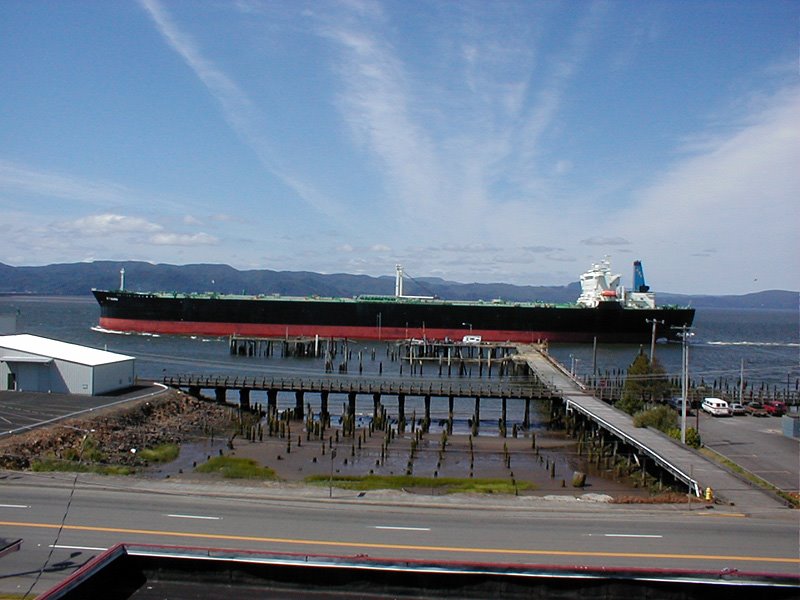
(682,461)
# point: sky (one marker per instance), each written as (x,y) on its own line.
(478,141)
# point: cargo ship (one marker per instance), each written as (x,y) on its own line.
(604,311)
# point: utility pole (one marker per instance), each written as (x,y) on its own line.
(653,338)
(685,334)
(741,383)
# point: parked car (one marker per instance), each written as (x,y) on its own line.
(737,408)
(716,407)
(776,408)
(677,404)
(756,409)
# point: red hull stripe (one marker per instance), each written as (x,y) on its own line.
(335,331)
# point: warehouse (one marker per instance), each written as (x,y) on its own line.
(36,364)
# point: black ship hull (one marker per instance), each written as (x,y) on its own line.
(383,318)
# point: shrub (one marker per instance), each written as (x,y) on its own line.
(692,436)
(662,418)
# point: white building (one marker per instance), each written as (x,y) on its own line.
(31,363)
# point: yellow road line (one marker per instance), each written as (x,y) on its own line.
(455,549)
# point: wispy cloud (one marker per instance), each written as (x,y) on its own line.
(107,224)
(183,239)
(599,240)
(240,112)
(133,228)
(737,188)
(20,178)
(375,103)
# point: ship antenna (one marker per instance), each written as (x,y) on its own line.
(122,279)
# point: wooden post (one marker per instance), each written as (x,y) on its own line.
(299,404)
(272,401)
(323,408)
(526,419)
(244,398)
(401,411)
(376,402)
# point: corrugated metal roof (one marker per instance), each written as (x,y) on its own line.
(60,350)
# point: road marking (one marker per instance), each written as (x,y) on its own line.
(59,547)
(372,545)
(401,528)
(14,506)
(631,535)
(195,517)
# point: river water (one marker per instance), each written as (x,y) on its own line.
(765,343)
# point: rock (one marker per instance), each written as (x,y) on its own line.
(578,479)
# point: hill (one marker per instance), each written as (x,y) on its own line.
(77,279)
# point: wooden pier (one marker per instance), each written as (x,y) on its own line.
(532,390)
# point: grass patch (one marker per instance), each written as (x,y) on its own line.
(232,467)
(791,499)
(160,454)
(68,466)
(450,485)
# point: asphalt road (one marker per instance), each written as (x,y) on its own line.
(756,444)
(104,511)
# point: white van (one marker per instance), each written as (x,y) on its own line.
(716,407)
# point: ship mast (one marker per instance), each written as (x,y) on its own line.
(122,279)
(398,281)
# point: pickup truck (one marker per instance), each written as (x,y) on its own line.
(776,408)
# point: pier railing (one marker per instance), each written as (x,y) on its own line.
(359,385)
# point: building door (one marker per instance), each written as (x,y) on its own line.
(12,382)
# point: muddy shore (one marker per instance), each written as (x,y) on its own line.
(202,428)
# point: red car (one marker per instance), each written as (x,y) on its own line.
(776,408)
(756,409)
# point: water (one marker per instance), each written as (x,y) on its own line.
(767,342)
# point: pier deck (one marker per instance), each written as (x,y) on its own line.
(682,461)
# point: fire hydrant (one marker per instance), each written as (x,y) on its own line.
(709,495)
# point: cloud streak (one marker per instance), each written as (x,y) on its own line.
(239,111)
(19,178)
(737,189)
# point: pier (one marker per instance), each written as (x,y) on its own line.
(453,390)
(604,434)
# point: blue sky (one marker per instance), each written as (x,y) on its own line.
(476,141)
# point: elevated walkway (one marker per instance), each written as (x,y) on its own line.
(682,461)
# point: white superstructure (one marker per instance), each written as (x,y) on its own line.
(599,285)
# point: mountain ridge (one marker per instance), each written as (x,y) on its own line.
(77,279)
